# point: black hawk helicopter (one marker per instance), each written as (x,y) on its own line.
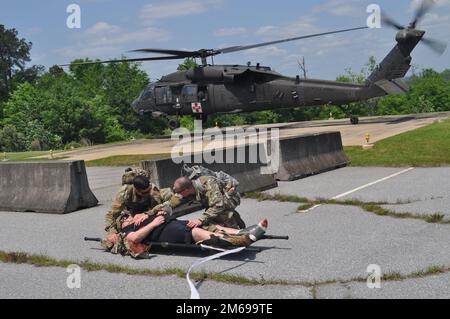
(210,89)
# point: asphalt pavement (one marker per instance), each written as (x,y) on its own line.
(327,256)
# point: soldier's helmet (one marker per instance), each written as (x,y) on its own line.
(131,173)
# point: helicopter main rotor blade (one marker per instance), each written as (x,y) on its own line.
(425,6)
(180,53)
(391,22)
(247,47)
(435,45)
(127,60)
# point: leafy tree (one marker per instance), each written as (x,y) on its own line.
(446,74)
(393,105)
(362,108)
(431,92)
(11,140)
(123,83)
(14,53)
(225,120)
(30,75)
(188,64)
(89,103)
(42,138)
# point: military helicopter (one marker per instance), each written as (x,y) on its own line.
(210,89)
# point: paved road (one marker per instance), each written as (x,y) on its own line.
(418,190)
(330,243)
(433,287)
(378,127)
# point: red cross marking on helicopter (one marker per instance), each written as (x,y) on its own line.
(197,108)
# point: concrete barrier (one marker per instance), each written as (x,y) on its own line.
(56,187)
(166,171)
(307,155)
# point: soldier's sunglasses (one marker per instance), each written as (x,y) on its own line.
(179,191)
(142,191)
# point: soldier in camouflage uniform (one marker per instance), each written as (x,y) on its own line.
(220,202)
(139,197)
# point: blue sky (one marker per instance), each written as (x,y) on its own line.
(112,27)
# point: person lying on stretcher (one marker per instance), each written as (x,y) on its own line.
(139,231)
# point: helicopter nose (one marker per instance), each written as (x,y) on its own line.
(136,106)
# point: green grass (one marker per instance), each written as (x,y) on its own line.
(275,197)
(125,160)
(44,261)
(26,156)
(426,146)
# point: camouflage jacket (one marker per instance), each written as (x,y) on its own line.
(219,202)
(128,201)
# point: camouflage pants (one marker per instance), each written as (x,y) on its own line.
(229,219)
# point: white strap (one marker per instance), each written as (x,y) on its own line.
(194,292)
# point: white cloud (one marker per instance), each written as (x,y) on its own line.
(92,52)
(302,26)
(437,21)
(229,32)
(103,36)
(102,28)
(169,9)
(416,4)
(104,39)
(266,52)
(443,3)
(433,19)
(342,8)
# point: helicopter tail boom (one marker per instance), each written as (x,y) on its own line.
(385,78)
(395,66)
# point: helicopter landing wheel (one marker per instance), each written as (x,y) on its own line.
(174,124)
(354,120)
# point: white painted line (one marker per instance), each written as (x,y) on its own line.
(373,183)
(361,187)
(310,209)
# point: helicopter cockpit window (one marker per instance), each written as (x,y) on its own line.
(163,95)
(148,92)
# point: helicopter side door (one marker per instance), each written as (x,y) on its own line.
(163,95)
(193,99)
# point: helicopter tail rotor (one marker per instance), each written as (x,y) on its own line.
(409,32)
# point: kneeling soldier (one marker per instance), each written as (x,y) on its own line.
(219,201)
(136,198)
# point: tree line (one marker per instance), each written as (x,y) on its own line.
(90,104)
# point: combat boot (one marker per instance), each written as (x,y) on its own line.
(255,232)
